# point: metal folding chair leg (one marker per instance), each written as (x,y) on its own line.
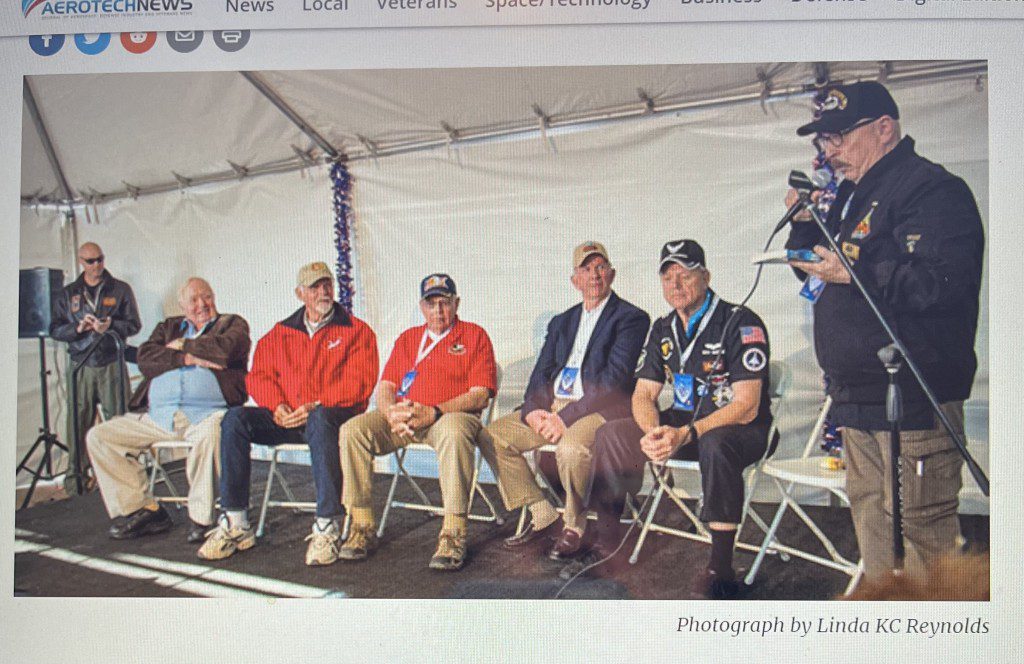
(425,505)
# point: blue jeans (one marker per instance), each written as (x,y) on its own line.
(244,425)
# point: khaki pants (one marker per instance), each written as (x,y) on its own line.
(503,444)
(930,467)
(369,435)
(115,446)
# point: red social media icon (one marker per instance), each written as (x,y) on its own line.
(138,42)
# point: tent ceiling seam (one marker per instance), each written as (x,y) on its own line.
(645,107)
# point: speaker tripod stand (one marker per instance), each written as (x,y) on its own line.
(47,438)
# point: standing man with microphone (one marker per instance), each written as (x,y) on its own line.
(913,235)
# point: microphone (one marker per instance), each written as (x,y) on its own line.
(805,184)
(818,179)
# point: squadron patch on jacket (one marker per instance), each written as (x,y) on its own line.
(76,303)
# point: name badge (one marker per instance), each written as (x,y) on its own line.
(566,379)
(682,392)
(407,380)
(812,288)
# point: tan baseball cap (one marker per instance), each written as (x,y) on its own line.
(314,272)
(587,249)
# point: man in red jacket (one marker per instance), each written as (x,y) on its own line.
(437,381)
(313,371)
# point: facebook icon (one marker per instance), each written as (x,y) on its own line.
(46,44)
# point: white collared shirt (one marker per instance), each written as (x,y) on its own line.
(312,327)
(588,321)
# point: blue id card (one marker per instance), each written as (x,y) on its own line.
(682,392)
(566,379)
(407,380)
(812,288)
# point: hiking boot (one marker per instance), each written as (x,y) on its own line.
(361,542)
(451,551)
(223,541)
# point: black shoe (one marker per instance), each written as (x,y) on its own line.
(709,584)
(588,562)
(142,522)
(531,534)
(196,532)
(568,545)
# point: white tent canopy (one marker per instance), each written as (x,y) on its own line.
(491,175)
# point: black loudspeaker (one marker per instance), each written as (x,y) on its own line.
(38,289)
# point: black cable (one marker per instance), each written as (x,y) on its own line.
(659,476)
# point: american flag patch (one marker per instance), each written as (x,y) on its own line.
(752,335)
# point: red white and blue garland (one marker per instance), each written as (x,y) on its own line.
(341,181)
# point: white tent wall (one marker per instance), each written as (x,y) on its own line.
(502,216)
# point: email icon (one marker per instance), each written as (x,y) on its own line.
(185,35)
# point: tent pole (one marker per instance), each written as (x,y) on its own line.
(291,114)
(51,155)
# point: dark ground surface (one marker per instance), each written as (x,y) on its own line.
(665,569)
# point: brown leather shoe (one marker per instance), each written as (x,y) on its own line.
(568,545)
(531,534)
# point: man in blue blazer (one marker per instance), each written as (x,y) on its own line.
(583,378)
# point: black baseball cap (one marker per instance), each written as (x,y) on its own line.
(437,284)
(842,106)
(687,253)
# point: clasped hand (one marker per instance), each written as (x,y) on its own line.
(406,417)
(548,426)
(661,441)
(288,418)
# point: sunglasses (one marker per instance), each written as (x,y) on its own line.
(93,261)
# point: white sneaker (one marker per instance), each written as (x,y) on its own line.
(223,541)
(323,545)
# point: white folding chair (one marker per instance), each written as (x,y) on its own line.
(159,475)
(424,504)
(780,378)
(274,475)
(808,471)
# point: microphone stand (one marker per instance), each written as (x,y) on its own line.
(890,357)
(75,480)
(901,349)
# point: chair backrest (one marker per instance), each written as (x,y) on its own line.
(488,414)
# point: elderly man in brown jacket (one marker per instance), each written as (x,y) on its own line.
(193,369)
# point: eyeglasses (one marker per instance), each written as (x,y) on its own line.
(835,139)
(93,261)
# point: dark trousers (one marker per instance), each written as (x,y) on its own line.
(722,453)
(242,426)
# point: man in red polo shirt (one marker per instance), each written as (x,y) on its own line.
(437,381)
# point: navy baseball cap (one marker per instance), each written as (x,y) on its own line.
(437,284)
(687,253)
(842,106)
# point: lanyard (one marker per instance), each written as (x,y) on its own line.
(94,304)
(685,355)
(425,349)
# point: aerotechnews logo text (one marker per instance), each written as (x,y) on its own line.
(54,8)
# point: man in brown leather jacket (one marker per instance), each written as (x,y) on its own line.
(194,368)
